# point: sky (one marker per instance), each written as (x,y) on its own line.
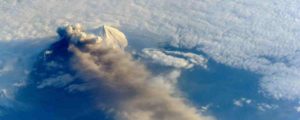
(193,37)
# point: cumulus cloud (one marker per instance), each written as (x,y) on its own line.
(175,59)
(241,102)
(122,84)
(266,106)
(263,43)
(3,93)
(206,107)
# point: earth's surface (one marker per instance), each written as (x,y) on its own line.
(204,59)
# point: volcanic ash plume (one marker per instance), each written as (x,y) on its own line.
(122,85)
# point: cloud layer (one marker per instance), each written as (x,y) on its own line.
(174,59)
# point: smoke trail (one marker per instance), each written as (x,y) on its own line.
(123,85)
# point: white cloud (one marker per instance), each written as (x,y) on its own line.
(265,106)
(205,108)
(191,57)
(163,59)
(7,67)
(19,83)
(254,35)
(57,81)
(238,103)
(175,59)
(78,87)
(6,98)
(241,102)
(297,109)
(261,106)
(3,93)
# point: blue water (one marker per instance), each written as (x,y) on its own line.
(220,85)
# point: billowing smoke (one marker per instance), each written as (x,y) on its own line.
(123,86)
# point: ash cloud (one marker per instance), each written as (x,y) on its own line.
(122,85)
